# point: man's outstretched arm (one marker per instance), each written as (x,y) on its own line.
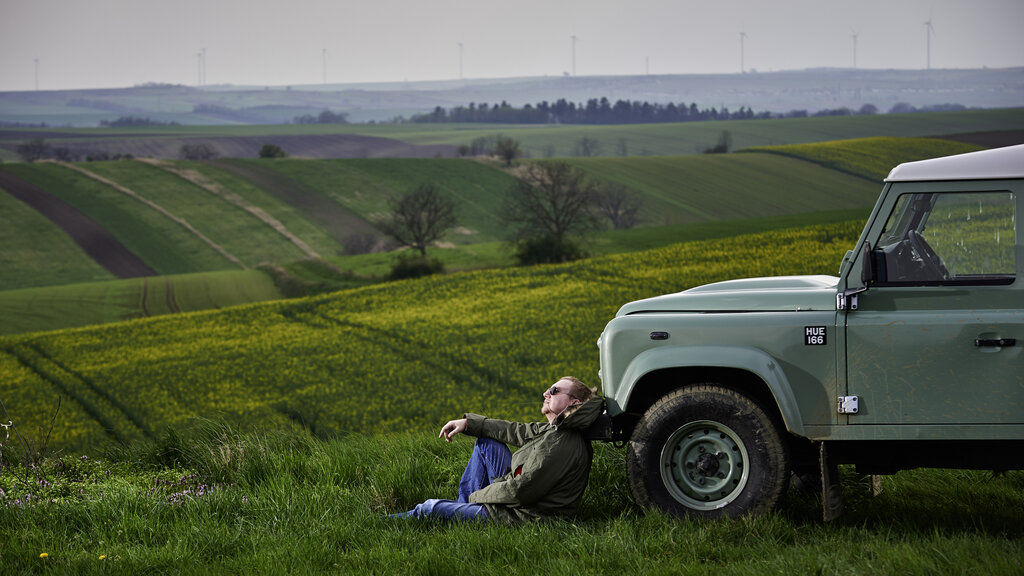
(453,427)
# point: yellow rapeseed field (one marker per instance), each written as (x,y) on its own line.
(394,357)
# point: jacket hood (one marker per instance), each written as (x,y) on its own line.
(582,417)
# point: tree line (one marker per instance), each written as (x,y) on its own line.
(603,111)
(595,111)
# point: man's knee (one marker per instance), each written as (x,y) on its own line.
(496,455)
(493,448)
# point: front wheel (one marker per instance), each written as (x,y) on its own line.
(709,451)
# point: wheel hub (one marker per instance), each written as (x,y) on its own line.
(704,465)
(707,464)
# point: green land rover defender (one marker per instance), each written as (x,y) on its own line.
(911,357)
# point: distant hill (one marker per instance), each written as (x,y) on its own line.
(991,127)
(777,92)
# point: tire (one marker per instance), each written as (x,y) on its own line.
(707,451)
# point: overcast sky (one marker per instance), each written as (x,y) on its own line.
(117,43)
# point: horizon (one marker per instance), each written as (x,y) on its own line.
(51,45)
(457,83)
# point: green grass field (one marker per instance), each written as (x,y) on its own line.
(160,242)
(681,189)
(237,231)
(695,137)
(364,187)
(209,499)
(78,305)
(295,194)
(36,253)
(870,158)
(290,217)
(74,305)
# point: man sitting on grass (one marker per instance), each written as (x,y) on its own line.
(545,478)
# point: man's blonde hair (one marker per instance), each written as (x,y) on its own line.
(580,391)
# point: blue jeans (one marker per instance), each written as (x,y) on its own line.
(491,459)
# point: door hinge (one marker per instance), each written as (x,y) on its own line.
(848,404)
(847,299)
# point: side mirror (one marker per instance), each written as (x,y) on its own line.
(867,266)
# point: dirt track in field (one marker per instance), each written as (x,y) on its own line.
(331,216)
(94,239)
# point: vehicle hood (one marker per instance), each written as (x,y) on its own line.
(781,293)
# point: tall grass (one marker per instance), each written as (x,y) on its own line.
(212,499)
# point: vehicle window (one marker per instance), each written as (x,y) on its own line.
(949,238)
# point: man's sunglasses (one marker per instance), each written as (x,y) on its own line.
(554,391)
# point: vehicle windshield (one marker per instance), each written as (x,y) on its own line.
(950,238)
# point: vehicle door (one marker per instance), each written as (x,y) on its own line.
(938,337)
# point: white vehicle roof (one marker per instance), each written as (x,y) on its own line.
(995,164)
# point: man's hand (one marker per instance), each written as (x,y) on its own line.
(452,428)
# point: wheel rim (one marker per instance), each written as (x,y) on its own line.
(704,465)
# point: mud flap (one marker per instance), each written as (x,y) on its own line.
(831,488)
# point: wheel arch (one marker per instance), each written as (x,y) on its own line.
(749,371)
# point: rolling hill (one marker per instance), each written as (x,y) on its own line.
(233,214)
(394,356)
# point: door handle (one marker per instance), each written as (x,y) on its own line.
(995,342)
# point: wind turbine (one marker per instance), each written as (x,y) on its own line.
(325,65)
(854,49)
(743,69)
(460,60)
(574,55)
(928,31)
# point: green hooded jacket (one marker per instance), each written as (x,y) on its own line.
(550,469)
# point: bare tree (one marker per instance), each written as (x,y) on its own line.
(554,199)
(619,205)
(419,218)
